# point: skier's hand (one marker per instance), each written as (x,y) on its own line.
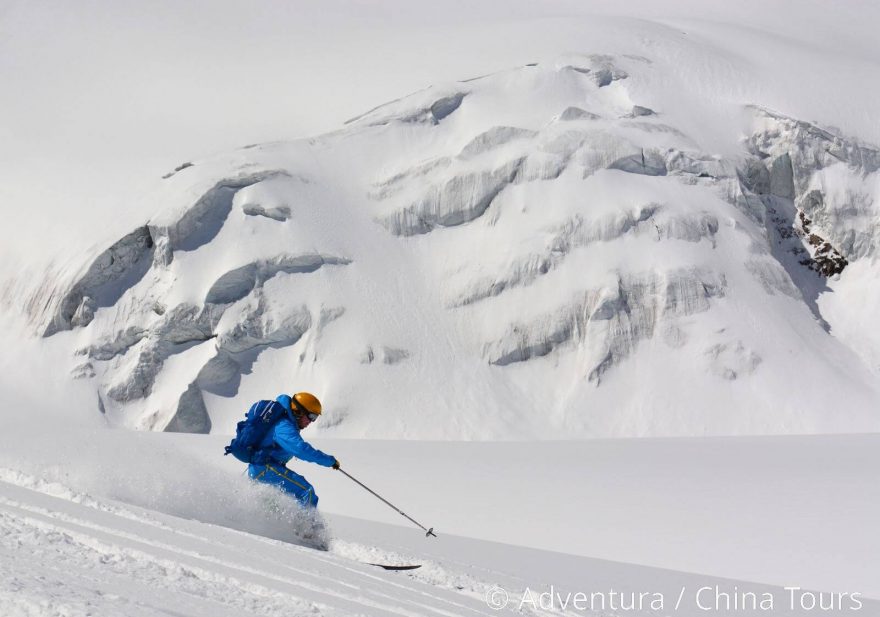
(336,463)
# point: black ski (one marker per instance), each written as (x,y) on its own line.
(389,567)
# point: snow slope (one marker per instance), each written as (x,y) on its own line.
(97,84)
(72,553)
(77,559)
(541,238)
(778,511)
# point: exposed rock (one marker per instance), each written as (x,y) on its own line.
(825,259)
(850,223)
(812,223)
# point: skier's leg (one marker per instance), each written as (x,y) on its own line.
(292,483)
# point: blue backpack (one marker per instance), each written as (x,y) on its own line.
(249,433)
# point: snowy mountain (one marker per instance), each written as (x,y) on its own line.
(546,251)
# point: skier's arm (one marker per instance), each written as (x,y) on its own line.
(289,440)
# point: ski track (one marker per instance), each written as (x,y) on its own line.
(61,557)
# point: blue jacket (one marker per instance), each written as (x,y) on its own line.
(284,442)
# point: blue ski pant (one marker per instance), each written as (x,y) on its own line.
(287,480)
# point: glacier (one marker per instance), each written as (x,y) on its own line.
(510,262)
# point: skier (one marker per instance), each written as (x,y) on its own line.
(283,442)
(269,436)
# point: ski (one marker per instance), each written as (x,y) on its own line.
(390,567)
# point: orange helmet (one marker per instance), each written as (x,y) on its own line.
(306,403)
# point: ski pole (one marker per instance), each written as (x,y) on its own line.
(429,532)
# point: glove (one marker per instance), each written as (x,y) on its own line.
(335,463)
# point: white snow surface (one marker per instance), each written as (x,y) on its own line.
(145,523)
